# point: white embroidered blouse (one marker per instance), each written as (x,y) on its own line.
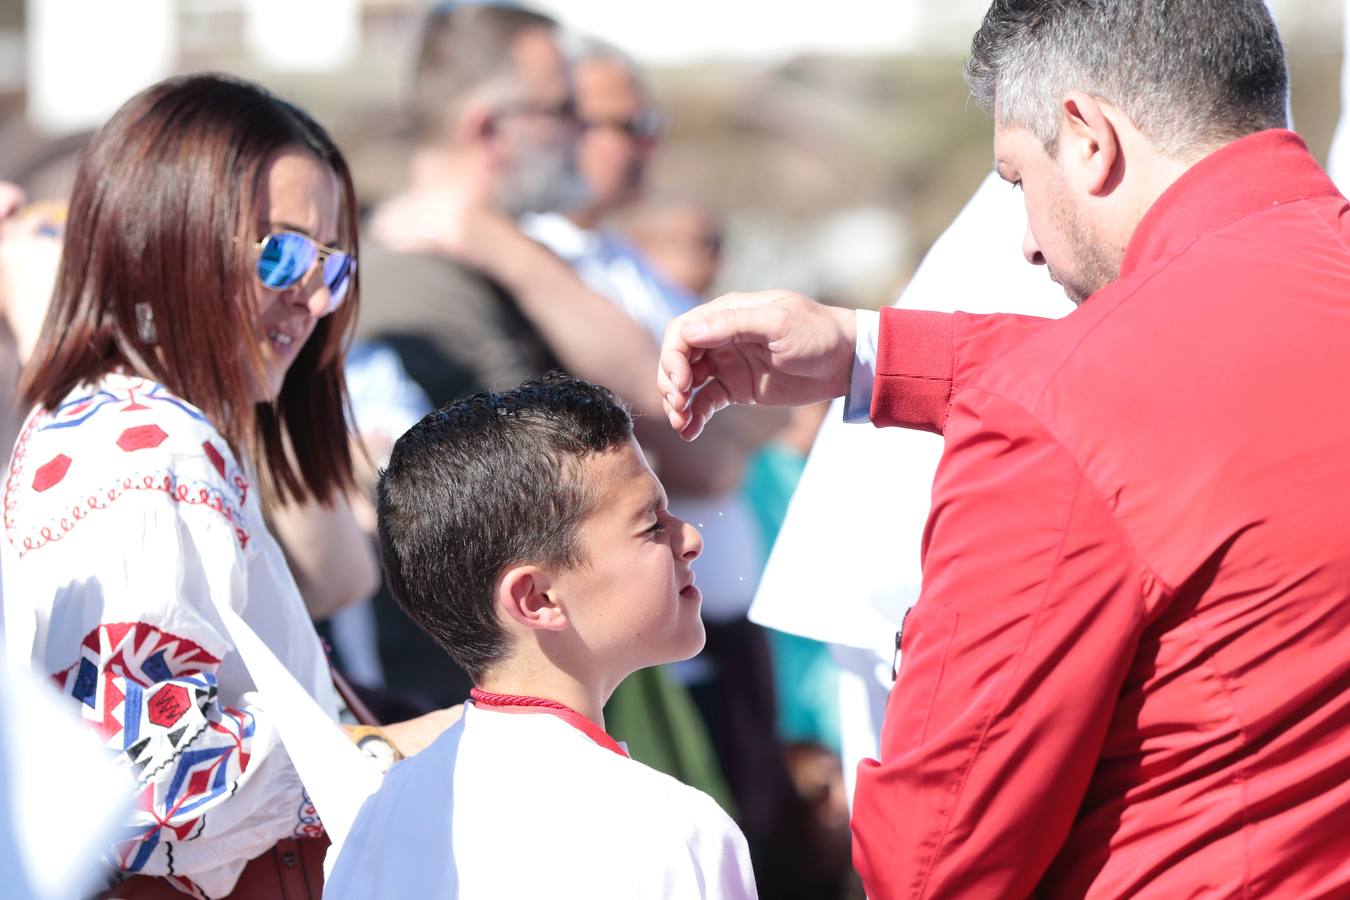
(127,519)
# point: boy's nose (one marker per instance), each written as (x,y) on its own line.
(692,542)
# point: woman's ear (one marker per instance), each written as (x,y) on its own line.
(525,595)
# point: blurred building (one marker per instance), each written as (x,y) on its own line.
(835,140)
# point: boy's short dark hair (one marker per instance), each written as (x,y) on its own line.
(484,483)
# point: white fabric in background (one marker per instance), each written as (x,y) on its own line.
(507,805)
(612,268)
(59,808)
(1338,160)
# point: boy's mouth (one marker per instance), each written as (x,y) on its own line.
(689,592)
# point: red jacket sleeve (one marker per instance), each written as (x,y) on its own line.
(1012,661)
(923,357)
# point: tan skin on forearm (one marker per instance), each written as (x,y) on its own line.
(329,553)
(597,341)
(592,338)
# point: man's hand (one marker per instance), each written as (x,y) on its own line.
(463,227)
(443,221)
(772,347)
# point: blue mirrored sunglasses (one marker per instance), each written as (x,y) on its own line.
(285,258)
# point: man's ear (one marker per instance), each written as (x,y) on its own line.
(526,594)
(476,122)
(1089,143)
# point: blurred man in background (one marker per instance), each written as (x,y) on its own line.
(451,284)
(469,302)
(683,240)
(732,681)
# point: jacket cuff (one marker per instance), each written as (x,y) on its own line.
(913,387)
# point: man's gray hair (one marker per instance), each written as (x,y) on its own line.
(1190,74)
(465,45)
(582,48)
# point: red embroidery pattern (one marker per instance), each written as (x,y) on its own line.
(141,437)
(307,824)
(193,493)
(50,473)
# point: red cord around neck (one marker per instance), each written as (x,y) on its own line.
(552,707)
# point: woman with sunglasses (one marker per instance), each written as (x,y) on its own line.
(188,375)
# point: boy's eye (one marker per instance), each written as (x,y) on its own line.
(657,527)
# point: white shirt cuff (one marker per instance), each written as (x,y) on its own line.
(858,403)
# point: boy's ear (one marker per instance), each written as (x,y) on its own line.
(525,594)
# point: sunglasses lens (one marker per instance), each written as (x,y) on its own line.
(284,260)
(337,275)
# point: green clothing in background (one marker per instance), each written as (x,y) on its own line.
(654,716)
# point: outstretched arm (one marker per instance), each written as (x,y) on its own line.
(780,348)
(592,338)
(329,553)
(773,347)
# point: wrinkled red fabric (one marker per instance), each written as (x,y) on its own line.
(1128,674)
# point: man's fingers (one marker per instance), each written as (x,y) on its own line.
(754,319)
(673,374)
(677,417)
(674,377)
(748,325)
(700,372)
(710,399)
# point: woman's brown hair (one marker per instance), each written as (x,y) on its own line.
(163,213)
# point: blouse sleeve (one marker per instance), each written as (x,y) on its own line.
(133,636)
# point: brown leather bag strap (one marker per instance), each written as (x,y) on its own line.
(354,702)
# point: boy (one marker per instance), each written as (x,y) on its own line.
(525,532)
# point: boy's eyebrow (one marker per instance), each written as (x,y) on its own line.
(652,505)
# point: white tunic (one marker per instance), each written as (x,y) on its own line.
(127,519)
(524,805)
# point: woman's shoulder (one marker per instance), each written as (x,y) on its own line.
(124,418)
(121,437)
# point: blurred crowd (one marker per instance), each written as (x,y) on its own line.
(521,242)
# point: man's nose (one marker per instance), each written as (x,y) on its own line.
(1032,250)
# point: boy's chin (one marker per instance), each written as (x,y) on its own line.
(688,644)
(696,642)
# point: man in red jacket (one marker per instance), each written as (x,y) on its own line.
(1129,671)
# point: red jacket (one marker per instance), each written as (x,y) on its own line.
(1129,671)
